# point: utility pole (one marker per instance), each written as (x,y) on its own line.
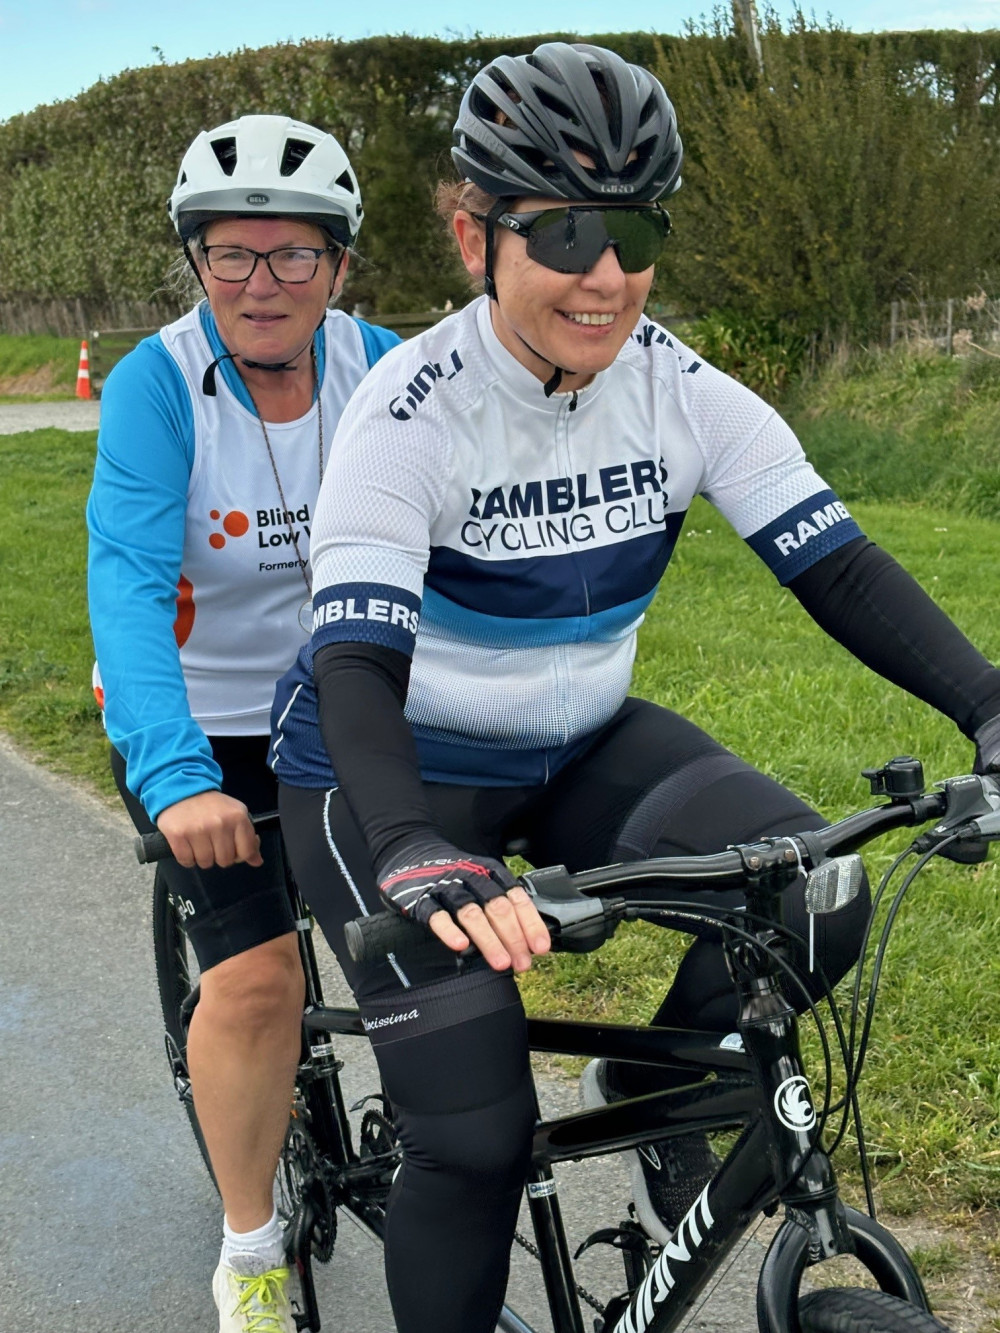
(746,15)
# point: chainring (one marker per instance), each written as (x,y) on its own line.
(301,1182)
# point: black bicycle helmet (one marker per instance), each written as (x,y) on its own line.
(524,119)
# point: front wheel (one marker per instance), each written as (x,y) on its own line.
(857,1310)
(177,979)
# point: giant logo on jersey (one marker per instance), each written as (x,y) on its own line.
(588,507)
(405,404)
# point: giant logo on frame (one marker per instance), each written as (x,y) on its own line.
(661,1280)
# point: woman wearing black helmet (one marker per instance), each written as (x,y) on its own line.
(214,436)
(506,495)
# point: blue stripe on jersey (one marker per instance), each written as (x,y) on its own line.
(519,632)
(577,583)
(299,757)
(804,534)
(366,613)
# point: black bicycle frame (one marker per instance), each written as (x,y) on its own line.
(752,1079)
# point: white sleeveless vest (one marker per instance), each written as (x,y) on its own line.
(242,587)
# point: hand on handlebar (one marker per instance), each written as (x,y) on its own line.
(465,900)
(210,829)
(987,739)
(971,851)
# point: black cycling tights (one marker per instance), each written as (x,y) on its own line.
(464,1108)
(452,1050)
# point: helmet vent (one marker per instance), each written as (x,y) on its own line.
(346,181)
(296,152)
(225,151)
(557,105)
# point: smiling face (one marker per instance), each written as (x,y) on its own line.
(263,319)
(579,321)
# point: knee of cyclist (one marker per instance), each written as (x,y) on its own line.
(485,1150)
(261,987)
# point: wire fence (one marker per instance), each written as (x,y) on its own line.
(956,326)
(77,317)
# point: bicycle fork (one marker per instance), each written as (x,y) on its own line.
(818,1226)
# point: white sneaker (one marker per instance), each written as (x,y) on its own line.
(253,1304)
(667,1174)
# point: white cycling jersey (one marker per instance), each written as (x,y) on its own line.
(512,542)
(195,584)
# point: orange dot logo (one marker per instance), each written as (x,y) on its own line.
(235,524)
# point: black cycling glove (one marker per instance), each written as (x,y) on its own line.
(970,851)
(987,739)
(428,874)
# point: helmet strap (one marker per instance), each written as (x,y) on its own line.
(208,387)
(194,267)
(551,385)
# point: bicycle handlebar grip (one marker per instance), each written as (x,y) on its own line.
(370,938)
(151,847)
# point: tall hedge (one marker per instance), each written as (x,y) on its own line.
(849,171)
(84,183)
(854,169)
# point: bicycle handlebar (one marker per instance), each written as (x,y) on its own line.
(580,920)
(150,847)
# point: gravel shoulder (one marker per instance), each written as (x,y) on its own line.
(76,414)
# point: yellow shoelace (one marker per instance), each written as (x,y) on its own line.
(256,1295)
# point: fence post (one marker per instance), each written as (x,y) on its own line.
(893,323)
(949,341)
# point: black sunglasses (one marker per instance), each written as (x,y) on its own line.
(572,240)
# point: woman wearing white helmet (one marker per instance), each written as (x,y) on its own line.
(214,437)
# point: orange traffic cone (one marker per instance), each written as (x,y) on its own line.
(83,374)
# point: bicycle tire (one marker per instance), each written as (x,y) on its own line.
(175,982)
(858,1310)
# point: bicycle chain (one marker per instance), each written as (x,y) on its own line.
(581,1291)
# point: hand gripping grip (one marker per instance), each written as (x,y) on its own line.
(151,847)
(370,938)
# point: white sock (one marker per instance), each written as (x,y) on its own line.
(251,1253)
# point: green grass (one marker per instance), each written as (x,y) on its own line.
(749,666)
(757,674)
(45,651)
(21,354)
(904,428)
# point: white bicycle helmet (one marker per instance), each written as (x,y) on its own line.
(265,166)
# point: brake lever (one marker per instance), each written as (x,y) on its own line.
(973,811)
(577,923)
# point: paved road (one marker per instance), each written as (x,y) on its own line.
(108,1222)
(76,414)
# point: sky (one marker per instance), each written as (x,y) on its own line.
(53,49)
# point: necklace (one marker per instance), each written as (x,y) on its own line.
(305,610)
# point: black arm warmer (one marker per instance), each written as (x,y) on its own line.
(361,689)
(870,605)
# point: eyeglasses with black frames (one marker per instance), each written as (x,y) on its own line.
(288,264)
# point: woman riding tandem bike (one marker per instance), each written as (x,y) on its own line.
(214,437)
(505,494)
